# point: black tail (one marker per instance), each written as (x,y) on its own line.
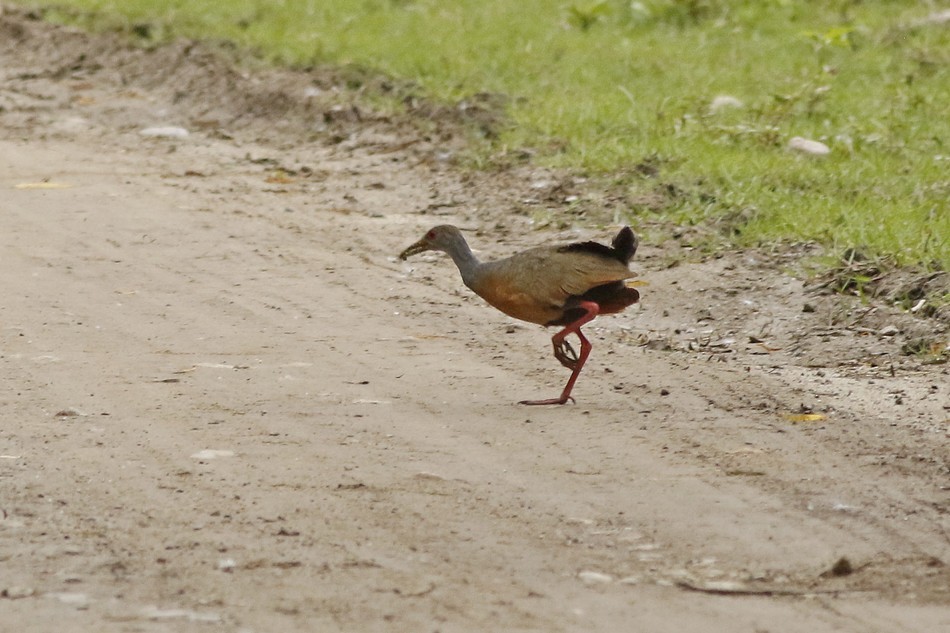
(625,244)
(622,248)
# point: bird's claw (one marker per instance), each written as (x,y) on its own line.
(565,354)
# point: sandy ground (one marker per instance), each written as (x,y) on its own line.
(227,406)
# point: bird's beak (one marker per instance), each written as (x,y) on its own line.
(418,247)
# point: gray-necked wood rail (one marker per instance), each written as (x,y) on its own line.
(565,285)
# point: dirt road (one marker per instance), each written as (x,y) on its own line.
(227,406)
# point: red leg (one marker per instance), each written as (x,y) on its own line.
(560,347)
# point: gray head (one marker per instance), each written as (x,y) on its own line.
(445,238)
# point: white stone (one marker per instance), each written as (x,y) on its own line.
(808,146)
(165,132)
(16,593)
(78,600)
(211,453)
(595,578)
(154,613)
(938,17)
(724,102)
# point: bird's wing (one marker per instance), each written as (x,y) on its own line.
(535,285)
(576,272)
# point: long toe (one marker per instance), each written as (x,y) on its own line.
(568,362)
(566,355)
(548,401)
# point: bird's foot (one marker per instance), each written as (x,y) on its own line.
(565,354)
(548,401)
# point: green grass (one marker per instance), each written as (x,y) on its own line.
(601,86)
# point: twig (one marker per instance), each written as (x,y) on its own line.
(743,591)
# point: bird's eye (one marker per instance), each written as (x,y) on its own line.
(430,235)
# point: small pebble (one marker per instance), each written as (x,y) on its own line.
(154,613)
(165,132)
(889,330)
(427,475)
(595,578)
(724,585)
(647,547)
(210,453)
(15,593)
(842,567)
(78,600)
(69,413)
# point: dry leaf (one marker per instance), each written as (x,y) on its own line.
(804,417)
(43,185)
(280,177)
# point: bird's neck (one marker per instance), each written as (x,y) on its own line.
(466,261)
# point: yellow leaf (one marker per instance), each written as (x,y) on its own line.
(636,283)
(279,177)
(43,185)
(804,417)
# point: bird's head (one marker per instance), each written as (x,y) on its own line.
(445,238)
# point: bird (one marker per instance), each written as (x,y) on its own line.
(564,285)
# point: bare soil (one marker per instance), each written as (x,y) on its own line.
(228,406)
